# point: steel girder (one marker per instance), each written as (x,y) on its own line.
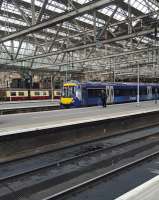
(109,56)
(5,67)
(61,18)
(108,41)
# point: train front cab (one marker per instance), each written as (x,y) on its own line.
(71,96)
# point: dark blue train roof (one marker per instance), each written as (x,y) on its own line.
(116,85)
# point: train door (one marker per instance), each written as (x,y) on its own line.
(110,94)
(149,92)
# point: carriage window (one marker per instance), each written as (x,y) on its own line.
(37,93)
(130,92)
(21,93)
(13,94)
(44,93)
(143,91)
(134,92)
(94,93)
(58,93)
(116,92)
(154,90)
(122,92)
(125,92)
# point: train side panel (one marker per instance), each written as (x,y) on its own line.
(56,94)
(14,95)
(39,95)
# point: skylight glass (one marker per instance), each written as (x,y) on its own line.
(119,15)
(144,6)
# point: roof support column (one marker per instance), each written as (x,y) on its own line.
(42,11)
(33,11)
(95,25)
(138,84)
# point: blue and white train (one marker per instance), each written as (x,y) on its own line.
(76,94)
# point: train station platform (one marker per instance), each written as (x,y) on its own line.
(27,106)
(24,122)
(146,191)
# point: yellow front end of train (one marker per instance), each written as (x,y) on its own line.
(68,98)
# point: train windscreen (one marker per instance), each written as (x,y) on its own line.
(68,91)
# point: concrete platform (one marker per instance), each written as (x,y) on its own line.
(27,104)
(19,123)
(147,191)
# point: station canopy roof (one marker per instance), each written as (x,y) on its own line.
(79,35)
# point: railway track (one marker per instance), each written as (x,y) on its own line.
(75,188)
(74,152)
(93,144)
(80,162)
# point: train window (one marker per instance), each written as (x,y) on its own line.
(21,93)
(143,91)
(58,93)
(37,93)
(13,94)
(73,90)
(116,92)
(44,93)
(125,92)
(121,92)
(134,92)
(154,90)
(94,93)
(68,91)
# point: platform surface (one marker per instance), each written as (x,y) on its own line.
(27,104)
(19,123)
(146,191)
